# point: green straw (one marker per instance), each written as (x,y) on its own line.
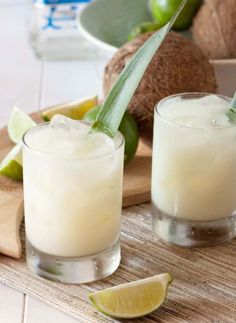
(232,110)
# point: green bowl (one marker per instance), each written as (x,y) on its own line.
(107,23)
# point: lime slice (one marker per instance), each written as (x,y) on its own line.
(18,124)
(74,110)
(133,299)
(11,166)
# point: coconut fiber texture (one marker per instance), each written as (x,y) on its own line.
(214,29)
(179,66)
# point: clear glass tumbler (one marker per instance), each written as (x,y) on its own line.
(72,212)
(193,171)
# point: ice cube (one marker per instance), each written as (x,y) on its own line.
(61,122)
(69,138)
(67,124)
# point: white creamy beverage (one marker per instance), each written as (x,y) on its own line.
(72,188)
(194,159)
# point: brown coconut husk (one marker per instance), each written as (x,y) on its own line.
(179,66)
(214,29)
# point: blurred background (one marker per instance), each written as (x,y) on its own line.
(33,81)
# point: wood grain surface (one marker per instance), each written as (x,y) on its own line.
(10,219)
(203,290)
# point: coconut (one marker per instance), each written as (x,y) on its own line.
(214,29)
(178,67)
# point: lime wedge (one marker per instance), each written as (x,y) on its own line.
(74,110)
(11,166)
(18,124)
(133,299)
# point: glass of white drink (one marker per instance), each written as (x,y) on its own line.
(73,200)
(193,172)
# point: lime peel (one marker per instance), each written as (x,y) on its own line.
(11,166)
(18,124)
(133,300)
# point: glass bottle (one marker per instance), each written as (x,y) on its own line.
(53,31)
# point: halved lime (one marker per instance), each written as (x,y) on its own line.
(133,299)
(18,124)
(74,110)
(11,166)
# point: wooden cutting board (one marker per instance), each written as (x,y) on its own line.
(136,189)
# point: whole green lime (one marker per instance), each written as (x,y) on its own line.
(128,128)
(163,10)
(142,28)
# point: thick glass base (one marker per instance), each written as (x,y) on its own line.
(187,233)
(73,270)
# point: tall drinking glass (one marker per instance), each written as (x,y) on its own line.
(72,205)
(193,171)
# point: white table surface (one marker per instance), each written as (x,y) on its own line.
(21,74)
